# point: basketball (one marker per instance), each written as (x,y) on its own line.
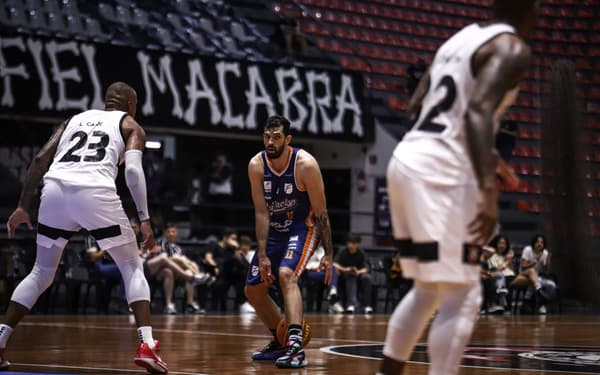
(282,331)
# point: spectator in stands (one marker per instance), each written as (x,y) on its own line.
(535,260)
(158,265)
(216,257)
(314,276)
(292,32)
(220,187)
(501,265)
(488,283)
(177,255)
(240,263)
(104,268)
(352,269)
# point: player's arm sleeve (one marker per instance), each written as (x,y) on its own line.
(136,182)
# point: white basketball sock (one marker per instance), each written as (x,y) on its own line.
(145,334)
(5,332)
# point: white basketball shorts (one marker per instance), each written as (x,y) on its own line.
(430,227)
(64,210)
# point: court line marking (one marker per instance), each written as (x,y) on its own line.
(99,368)
(328,350)
(168,330)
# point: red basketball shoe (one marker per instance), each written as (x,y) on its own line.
(150,359)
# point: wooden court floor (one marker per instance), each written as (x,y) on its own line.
(531,345)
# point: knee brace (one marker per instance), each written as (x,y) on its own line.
(452,328)
(132,271)
(409,320)
(32,286)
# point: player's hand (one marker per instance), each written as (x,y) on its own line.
(18,217)
(148,235)
(484,223)
(326,264)
(264,267)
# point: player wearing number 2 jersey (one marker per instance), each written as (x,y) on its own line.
(79,166)
(442,184)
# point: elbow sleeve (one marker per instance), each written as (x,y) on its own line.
(136,182)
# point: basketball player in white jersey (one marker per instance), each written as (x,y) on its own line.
(442,183)
(79,166)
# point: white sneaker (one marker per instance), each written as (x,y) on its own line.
(247,308)
(336,308)
(350,309)
(368,310)
(332,292)
(170,309)
(501,291)
(542,310)
(495,309)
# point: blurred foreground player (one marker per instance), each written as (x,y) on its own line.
(442,183)
(79,165)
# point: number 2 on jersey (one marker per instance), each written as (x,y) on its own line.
(99,146)
(445,104)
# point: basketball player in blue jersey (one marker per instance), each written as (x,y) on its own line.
(291,217)
(438,172)
(79,167)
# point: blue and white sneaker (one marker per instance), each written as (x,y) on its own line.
(270,352)
(294,356)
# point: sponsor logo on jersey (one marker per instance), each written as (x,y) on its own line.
(254,271)
(288,188)
(267,185)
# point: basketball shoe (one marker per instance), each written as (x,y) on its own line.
(150,359)
(270,352)
(293,357)
(4,364)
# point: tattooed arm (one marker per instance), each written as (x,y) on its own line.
(311,180)
(38,167)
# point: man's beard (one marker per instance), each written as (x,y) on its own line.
(274,152)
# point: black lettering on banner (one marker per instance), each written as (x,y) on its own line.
(100,147)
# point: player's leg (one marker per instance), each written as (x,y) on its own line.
(266,309)
(55,227)
(452,327)
(454,322)
(104,217)
(302,244)
(137,292)
(28,291)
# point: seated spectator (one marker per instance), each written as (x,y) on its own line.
(176,254)
(235,269)
(216,256)
(352,270)
(488,282)
(159,265)
(315,278)
(105,268)
(501,265)
(395,277)
(535,261)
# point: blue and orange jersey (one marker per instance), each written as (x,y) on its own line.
(288,205)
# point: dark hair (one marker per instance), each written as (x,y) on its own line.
(354,238)
(170,225)
(494,242)
(276,121)
(511,9)
(228,231)
(245,240)
(534,239)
